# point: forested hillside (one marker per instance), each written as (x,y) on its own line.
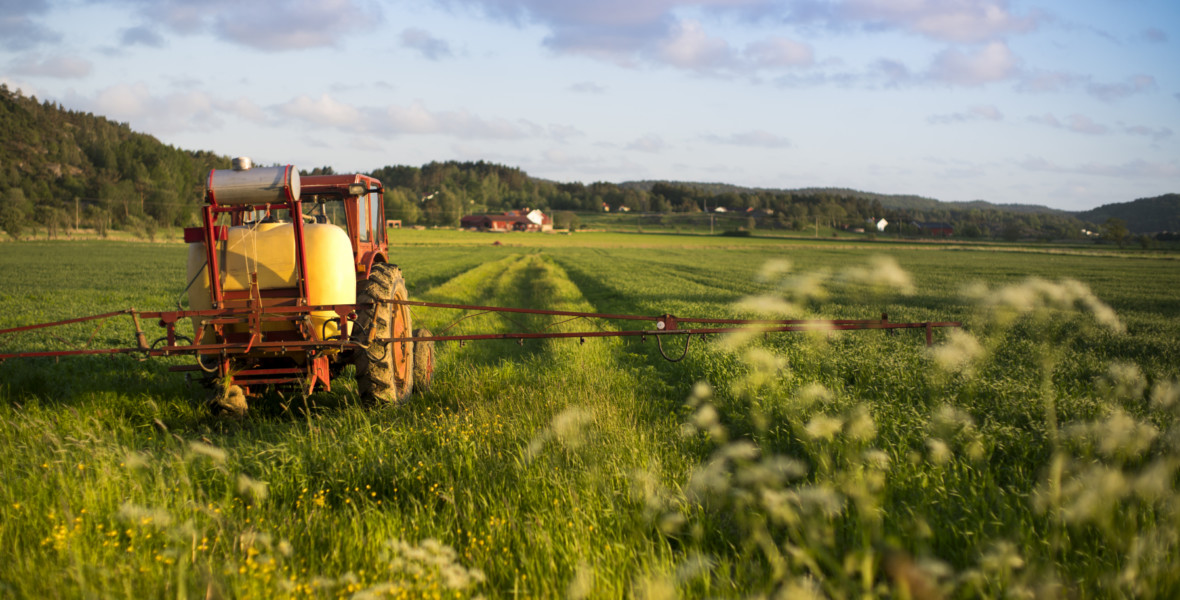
(1145,215)
(61,168)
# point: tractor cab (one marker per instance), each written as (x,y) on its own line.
(355,204)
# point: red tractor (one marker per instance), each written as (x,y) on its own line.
(290,280)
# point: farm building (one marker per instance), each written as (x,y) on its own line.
(513,220)
(935,228)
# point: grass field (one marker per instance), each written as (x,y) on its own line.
(1037,453)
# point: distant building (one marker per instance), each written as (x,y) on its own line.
(880,224)
(513,220)
(935,228)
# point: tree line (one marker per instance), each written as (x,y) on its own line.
(61,168)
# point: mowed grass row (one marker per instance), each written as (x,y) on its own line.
(841,464)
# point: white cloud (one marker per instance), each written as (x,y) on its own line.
(1157,134)
(141,36)
(990,63)
(753,139)
(1083,124)
(136,105)
(967,21)
(19,30)
(1134,169)
(1110,92)
(183,16)
(689,47)
(587,87)
(780,52)
(960,21)
(895,72)
(564,133)
(417,119)
(1075,123)
(649,143)
(984,112)
(365,143)
(427,45)
(60,66)
(325,111)
(1155,35)
(273,26)
(1047,81)
(242,107)
(630,32)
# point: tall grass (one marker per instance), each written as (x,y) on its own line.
(1034,453)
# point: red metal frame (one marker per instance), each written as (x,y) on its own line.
(664,325)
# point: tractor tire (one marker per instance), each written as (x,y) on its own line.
(228,401)
(384,371)
(423,362)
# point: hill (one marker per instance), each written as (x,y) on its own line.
(1145,215)
(59,166)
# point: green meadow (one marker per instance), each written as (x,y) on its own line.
(1033,453)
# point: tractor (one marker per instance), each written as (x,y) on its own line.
(290,280)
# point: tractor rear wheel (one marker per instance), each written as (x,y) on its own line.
(423,362)
(384,370)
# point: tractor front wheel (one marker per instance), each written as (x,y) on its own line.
(384,370)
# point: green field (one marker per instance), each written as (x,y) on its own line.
(1037,453)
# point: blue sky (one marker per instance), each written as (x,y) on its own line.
(1070,104)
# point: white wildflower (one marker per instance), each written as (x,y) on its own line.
(958,353)
(823,427)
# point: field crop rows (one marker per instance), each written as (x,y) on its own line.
(1037,453)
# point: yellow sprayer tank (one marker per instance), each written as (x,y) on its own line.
(268,249)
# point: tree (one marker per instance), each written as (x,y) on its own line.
(565,220)
(1116,231)
(14,211)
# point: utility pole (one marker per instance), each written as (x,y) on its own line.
(817,227)
(75,214)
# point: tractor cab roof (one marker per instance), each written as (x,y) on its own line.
(337,184)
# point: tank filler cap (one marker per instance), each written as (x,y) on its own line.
(242,163)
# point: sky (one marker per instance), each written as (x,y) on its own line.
(1065,103)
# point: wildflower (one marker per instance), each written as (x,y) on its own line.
(958,353)
(772,269)
(940,453)
(199,449)
(882,274)
(1123,381)
(823,427)
(251,487)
